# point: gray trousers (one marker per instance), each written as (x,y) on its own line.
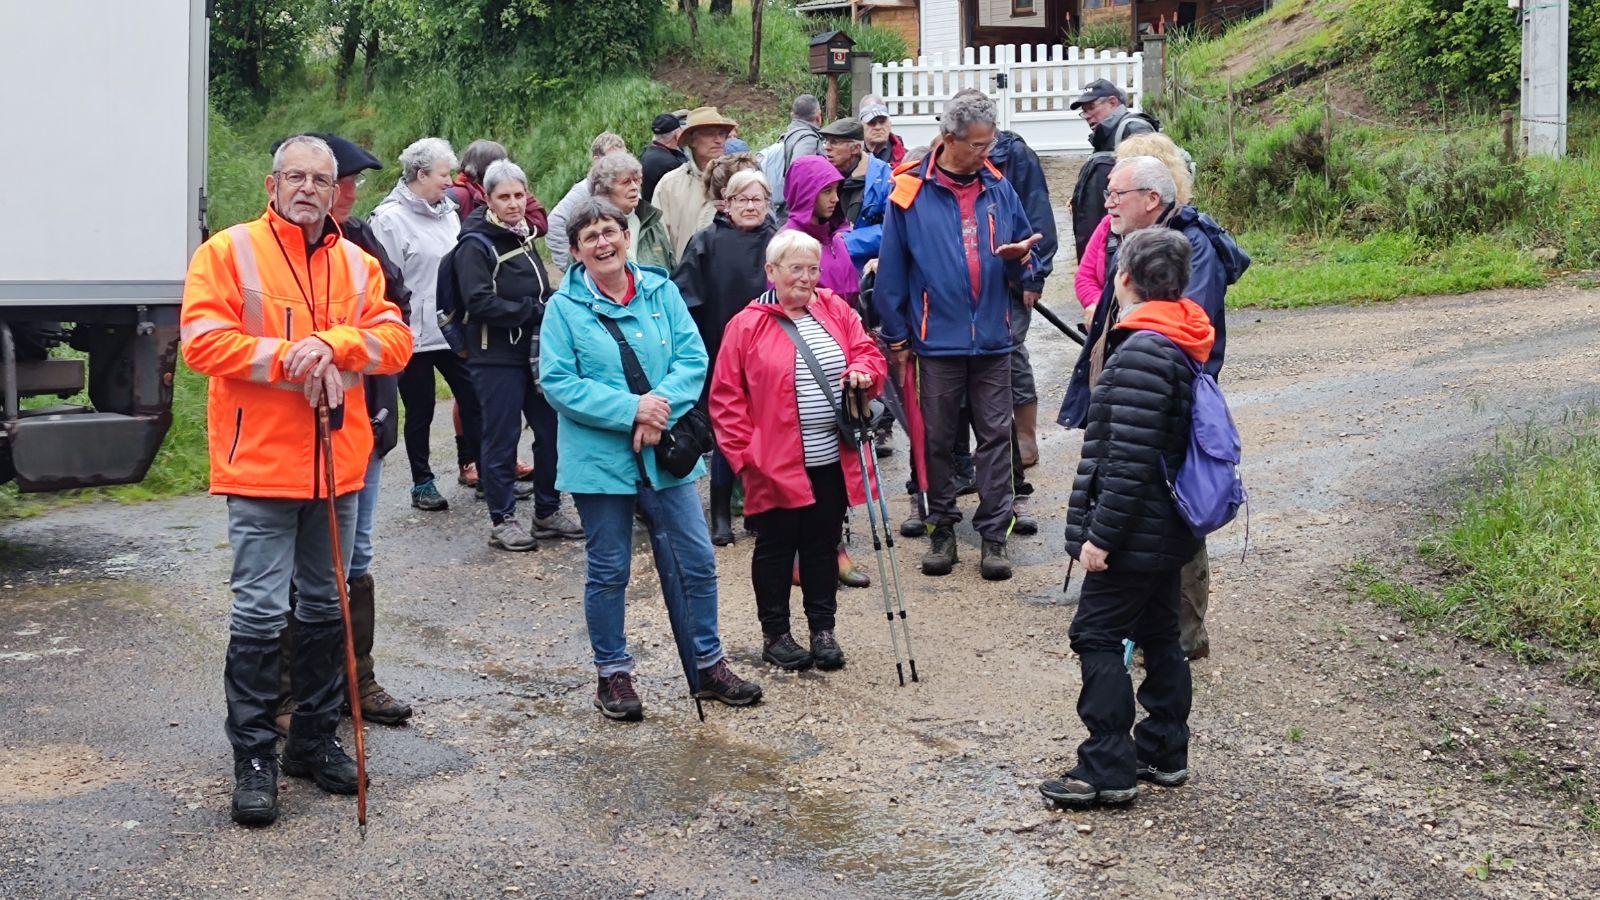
(1023,391)
(985,383)
(278,541)
(1194,596)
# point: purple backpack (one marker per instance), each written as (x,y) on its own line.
(1208,491)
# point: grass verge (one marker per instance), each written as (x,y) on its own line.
(1288,271)
(1517,567)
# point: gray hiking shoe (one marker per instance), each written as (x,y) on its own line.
(1079,794)
(559,524)
(510,535)
(1170,779)
(941,555)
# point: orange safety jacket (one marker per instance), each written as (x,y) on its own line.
(254,290)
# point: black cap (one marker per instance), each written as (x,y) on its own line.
(849,129)
(1099,89)
(348,156)
(666,123)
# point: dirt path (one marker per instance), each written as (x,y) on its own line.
(1336,753)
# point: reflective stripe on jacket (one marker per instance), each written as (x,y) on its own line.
(254,290)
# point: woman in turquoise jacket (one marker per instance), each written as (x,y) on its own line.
(604,426)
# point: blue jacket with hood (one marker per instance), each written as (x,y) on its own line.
(1215,262)
(865,237)
(923,292)
(1020,165)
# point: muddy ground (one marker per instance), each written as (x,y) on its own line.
(1337,753)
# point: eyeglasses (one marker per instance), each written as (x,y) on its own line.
(612,235)
(1107,195)
(295,178)
(802,271)
(1083,111)
(757,200)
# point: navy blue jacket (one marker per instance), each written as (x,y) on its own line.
(1020,165)
(923,292)
(1216,261)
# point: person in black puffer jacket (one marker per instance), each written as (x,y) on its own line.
(1125,528)
(503,287)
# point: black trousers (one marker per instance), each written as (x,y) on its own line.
(1141,607)
(510,397)
(417,393)
(984,384)
(811,532)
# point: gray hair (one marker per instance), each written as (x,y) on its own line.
(604,143)
(501,171)
(304,140)
(424,154)
(805,107)
(965,110)
(1156,260)
(788,242)
(479,154)
(1151,174)
(869,100)
(590,211)
(743,179)
(610,169)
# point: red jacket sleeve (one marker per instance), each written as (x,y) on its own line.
(538,219)
(730,396)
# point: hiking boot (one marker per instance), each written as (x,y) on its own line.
(825,650)
(616,698)
(521,490)
(468,476)
(255,790)
(1027,419)
(1170,779)
(850,574)
(381,707)
(941,555)
(1022,523)
(1079,794)
(426,497)
(915,524)
(966,475)
(721,515)
(321,758)
(510,535)
(559,524)
(717,682)
(783,652)
(883,444)
(1199,653)
(995,564)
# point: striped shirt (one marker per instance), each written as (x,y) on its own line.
(819,426)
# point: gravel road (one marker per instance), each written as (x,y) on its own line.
(1337,752)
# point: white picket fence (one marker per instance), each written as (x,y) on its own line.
(1031,84)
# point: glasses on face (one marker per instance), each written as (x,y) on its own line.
(747,200)
(1108,195)
(611,235)
(294,178)
(802,271)
(1084,110)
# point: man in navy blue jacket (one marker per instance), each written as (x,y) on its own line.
(955,241)
(1141,194)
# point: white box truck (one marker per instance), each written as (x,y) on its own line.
(105,112)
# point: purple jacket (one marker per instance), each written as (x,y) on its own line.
(808,177)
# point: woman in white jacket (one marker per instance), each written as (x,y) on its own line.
(417,225)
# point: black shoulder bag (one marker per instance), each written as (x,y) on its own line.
(686,441)
(847,433)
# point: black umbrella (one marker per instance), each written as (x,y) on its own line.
(677,601)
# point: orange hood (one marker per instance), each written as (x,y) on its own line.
(1184,322)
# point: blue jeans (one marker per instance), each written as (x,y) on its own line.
(366,517)
(684,560)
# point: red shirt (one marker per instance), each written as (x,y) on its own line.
(625,299)
(967,197)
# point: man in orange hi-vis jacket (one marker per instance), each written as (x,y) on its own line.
(283,312)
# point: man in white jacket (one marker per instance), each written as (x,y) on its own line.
(681,196)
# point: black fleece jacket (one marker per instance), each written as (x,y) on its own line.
(504,306)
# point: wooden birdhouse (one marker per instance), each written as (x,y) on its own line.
(830,53)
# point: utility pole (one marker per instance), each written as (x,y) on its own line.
(1544,76)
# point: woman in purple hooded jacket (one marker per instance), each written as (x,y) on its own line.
(811,195)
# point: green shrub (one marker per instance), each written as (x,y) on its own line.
(1462,46)
(1100,36)
(1457,185)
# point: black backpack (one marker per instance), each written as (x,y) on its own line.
(450,310)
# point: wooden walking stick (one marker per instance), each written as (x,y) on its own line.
(325,448)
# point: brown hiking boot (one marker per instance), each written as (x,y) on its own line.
(381,707)
(616,698)
(718,682)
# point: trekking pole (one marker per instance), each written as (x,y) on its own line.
(325,446)
(875,484)
(1071,331)
(861,421)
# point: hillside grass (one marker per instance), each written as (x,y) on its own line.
(1516,567)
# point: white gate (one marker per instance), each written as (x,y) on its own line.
(1031,85)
